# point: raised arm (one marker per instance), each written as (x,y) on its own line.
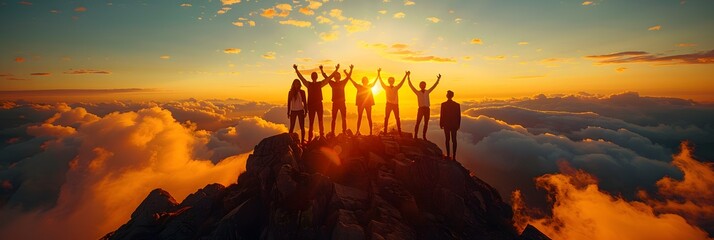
(354,83)
(349,75)
(407,73)
(409,79)
(438,77)
(302,79)
(379,76)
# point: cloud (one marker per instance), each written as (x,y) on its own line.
(621,69)
(523,43)
(223,10)
(232,50)
(40,74)
(654,28)
(582,211)
(314,4)
(399,15)
(402,52)
(337,14)
(323,20)
(165,57)
(686,45)
(645,57)
(382,12)
(229,2)
(80,9)
(329,36)
(587,3)
(358,25)
(25,3)
(476,41)
(296,23)
(307,11)
(284,8)
(495,58)
(19,59)
(408,3)
(86,71)
(433,19)
(269,55)
(185,5)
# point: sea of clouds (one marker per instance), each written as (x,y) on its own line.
(570,164)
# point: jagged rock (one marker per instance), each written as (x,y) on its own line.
(339,187)
(532,233)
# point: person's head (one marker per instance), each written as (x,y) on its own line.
(337,76)
(449,94)
(365,81)
(313,76)
(296,85)
(390,80)
(422,85)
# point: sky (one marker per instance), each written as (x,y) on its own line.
(165,50)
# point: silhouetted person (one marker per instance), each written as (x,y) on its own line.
(392,105)
(314,98)
(364,101)
(450,121)
(423,100)
(296,107)
(338,97)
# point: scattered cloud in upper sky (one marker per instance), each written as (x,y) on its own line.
(433,19)
(80,9)
(476,41)
(409,3)
(655,28)
(230,2)
(296,23)
(19,59)
(269,55)
(86,71)
(587,3)
(706,57)
(399,15)
(232,50)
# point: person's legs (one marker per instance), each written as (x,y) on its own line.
(334,115)
(426,122)
(420,113)
(311,115)
(387,111)
(447,132)
(319,120)
(301,120)
(292,121)
(343,115)
(369,118)
(396,117)
(453,140)
(360,109)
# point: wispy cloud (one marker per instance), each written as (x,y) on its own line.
(433,19)
(655,28)
(495,58)
(336,13)
(323,20)
(645,57)
(296,23)
(19,59)
(40,74)
(284,8)
(86,71)
(523,43)
(621,69)
(408,3)
(476,41)
(230,2)
(185,5)
(329,36)
(269,55)
(587,3)
(403,52)
(686,45)
(80,9)
(399,15)
(165,57)
(25,3)
(232,50)
(358,25)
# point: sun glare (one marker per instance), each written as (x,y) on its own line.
(376,89)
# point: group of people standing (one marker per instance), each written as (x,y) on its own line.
(299,105)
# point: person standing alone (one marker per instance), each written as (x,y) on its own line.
(450,121)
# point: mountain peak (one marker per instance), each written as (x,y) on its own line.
(344,187)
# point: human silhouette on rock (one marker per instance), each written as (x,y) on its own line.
(364,101)
(296,107)
(392,105)
(423,100)
(314,98)
(338,97)
(450,121)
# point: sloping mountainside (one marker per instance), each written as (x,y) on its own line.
(345,187)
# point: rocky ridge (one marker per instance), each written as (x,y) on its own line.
(345,187)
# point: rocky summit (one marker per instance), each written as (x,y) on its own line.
(344,187)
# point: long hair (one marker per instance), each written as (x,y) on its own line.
(295,89)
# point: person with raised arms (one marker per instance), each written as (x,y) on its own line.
(314,97)
(364,101)
(392,105)
(423,101)
(338,97)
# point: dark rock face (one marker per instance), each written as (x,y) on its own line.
(345,187)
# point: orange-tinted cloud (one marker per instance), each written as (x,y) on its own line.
(269,55)
(80,9)
(329,36)
(86,71)
(40,74)
(296,23)
(686,45)
(19,59)
(165,57)
(185,5)
(402,52)
(25,3)
(358,25)
(232,50)
(408,3)
(307,11)
(399,15)
(645,57)
(230,2)
(587,3)
(433,19)
(476,41)
(655,28)
(621,69)
(582,211)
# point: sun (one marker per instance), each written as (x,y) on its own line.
(376,89)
